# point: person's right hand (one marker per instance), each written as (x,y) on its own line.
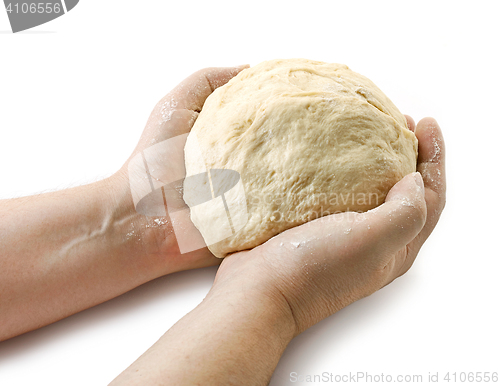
(263,297)
(313,270)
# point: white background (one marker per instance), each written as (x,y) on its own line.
(76,92)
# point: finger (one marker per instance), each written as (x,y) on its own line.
(431,164)
(194,90)
(177,111)
(391,226)
(410,123)
(431,156)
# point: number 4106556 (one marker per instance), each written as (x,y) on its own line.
(471,377)
(34,8)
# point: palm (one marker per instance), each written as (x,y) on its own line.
(344,257)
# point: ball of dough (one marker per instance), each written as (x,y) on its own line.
(307,138)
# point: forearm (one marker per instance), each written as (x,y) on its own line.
(231,338)
(66,251)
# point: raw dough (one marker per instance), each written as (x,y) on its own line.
(308,139)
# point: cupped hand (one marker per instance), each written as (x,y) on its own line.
(316,269)
(146,178)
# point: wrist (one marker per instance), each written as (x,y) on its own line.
(256,294)
(147,243)
(150,239)
(236,335)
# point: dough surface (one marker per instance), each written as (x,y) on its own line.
(307,138)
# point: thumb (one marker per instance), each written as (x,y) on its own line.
(401,217)
(192,92)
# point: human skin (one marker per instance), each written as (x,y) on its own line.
(264,297)
(66,251)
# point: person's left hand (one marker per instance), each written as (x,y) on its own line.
(173,116)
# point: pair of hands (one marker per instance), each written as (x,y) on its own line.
(313,270)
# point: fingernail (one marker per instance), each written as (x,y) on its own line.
(419,180)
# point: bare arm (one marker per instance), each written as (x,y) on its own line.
(264,297)
(66,251)
(236,336)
